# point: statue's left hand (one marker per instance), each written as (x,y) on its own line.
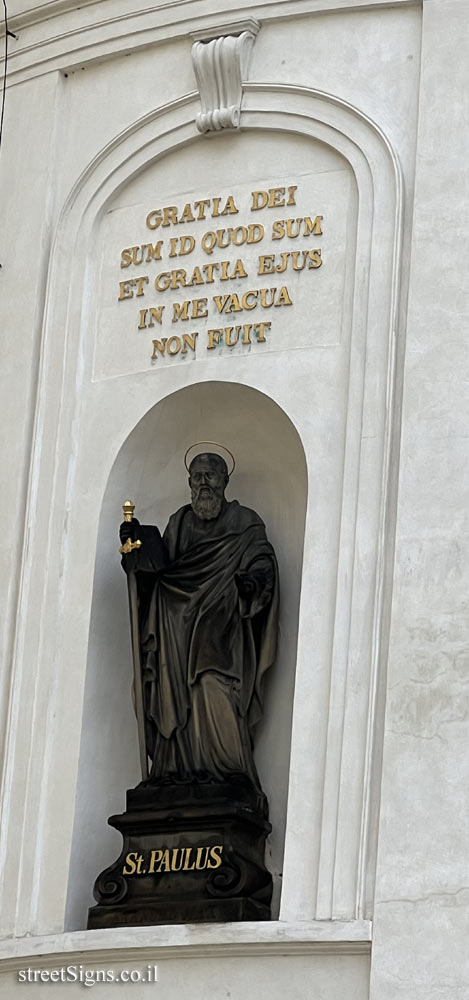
(246,585)
(128,529)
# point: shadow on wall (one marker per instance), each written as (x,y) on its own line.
(271,477)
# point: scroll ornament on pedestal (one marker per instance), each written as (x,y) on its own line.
(221,62)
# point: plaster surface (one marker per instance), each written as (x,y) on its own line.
(421,910)
(82,123)
(222,977)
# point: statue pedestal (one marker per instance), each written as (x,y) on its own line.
(191,853)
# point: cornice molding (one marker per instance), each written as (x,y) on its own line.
(74,38)
(121,944)
(249,24)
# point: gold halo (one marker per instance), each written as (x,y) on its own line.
(221,447)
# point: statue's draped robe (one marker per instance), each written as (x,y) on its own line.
(205,649)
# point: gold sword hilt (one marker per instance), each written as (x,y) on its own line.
(128,508)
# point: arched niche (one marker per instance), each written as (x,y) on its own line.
(349,427)
(271,477)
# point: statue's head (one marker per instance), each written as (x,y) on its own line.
(208,477)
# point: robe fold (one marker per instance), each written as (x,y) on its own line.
(205,648)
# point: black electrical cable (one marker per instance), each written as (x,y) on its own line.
(8,34)
(5,67)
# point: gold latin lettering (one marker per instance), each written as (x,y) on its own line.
(222,238)
(187,867)
(221,301)
(136,255)
(259,200)
(173,345)
(178,277)
(165,863)
(255,233)
(295,257)
(187,244)
(201,206)
(232,334)
(239,270)
(187,215)
(283,298)
(153,219)
(174,859)
(208,270)
(265,260)
(159,345)
(153,250)
(125,291)
(227,303)
(228,338)
(208,241)
(259,331)
(189,340)
(174,866)
(198,861)
(196,277)
(315,259)
(199,308)
(143,322)
(283,262)
(165,277)
(155,314)
(181,310)
(267,296)
(239,235)
(276,197)
(140,282)
(170,215)
(215,856)
(214,337)
(154,857)
(125,287)
(278,230)
(298,258)
(291,227)
(180,246)
(313,227)
(230,207)
(296,227)
(132,867)
(126,257)
(246,302)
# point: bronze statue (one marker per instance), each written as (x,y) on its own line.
(207,630)
(203,608)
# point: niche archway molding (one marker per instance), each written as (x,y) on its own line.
(338,708)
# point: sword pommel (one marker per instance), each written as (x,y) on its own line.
(128,507)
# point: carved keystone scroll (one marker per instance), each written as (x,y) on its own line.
(221,57)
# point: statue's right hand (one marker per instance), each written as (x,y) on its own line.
(128,529)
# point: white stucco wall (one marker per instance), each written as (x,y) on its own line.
(363,105)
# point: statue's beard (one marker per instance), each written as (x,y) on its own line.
(206,504)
